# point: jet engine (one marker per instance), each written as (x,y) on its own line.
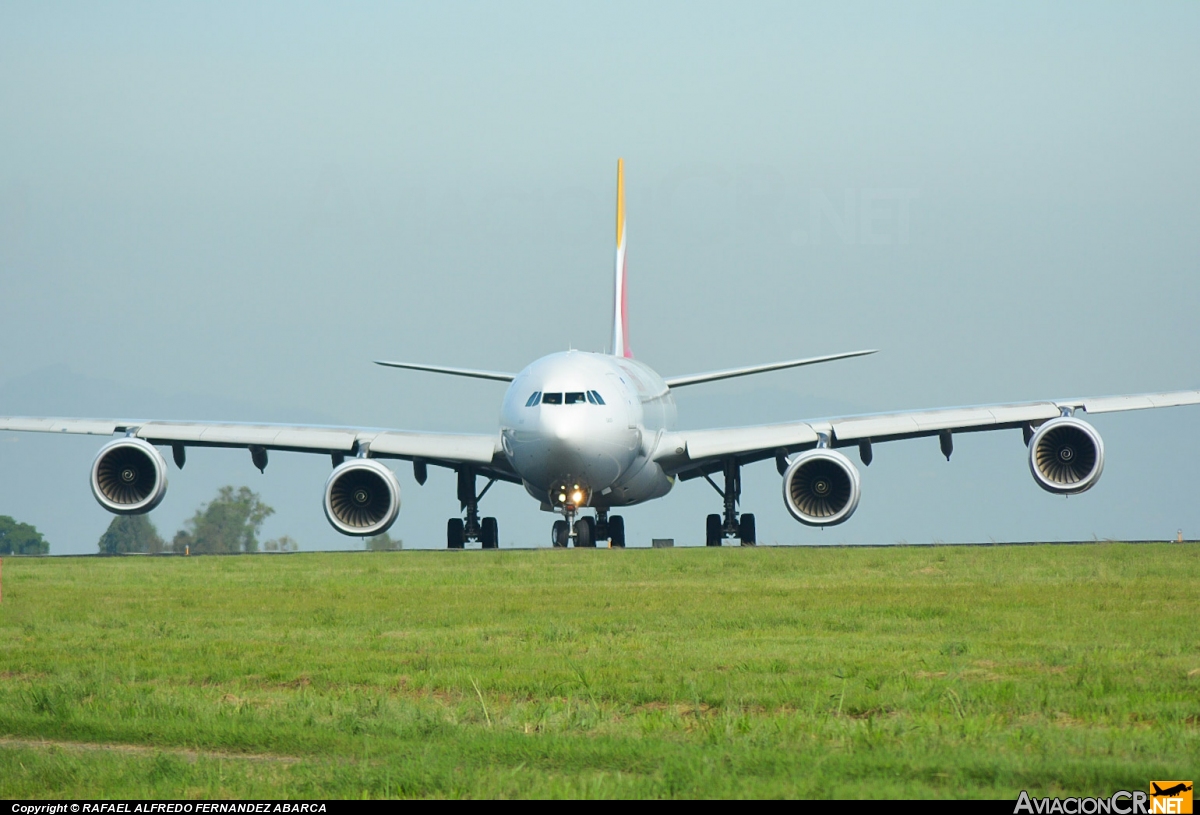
(362,497)
(1066,456)
(129,476)
(821,487)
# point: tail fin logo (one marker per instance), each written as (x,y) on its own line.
(620,343)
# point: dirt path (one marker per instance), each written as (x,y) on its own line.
(186,753)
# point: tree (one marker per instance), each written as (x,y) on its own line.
(131,533)
(228,523)
(20,539)
(283,543)
(384,543)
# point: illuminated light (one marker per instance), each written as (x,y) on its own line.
(577,496)
(562,496)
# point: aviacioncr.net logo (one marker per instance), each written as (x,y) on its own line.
(1164,798)
(1122,802)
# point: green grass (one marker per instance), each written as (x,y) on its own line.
(974,671)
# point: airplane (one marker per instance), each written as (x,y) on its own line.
(592,432)
(1170,792)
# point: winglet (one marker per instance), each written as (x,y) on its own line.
(620,334)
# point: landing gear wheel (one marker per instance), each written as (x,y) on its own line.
(616,532)
(455,533)
(712,531)
(560,533)
(746,529)
(585,534)
(489,534)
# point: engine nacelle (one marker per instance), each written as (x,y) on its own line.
(362,497)
(821,487)
(1066,456)
(129,476)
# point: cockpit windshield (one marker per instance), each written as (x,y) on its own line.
(568,398)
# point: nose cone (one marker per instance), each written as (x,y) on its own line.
(572,442)
(572,417)
(562,429)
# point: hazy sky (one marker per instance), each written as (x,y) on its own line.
(220,209)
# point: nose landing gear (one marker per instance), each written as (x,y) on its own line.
(458,530)
(587,531)
(731,526)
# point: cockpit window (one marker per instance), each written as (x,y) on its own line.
(571,398)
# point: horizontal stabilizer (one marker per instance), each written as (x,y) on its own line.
(499,376)
(729,373)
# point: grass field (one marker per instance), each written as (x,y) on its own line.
(951,671)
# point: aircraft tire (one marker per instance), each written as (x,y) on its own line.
(490,533)
(712,530)
(560,533)
(616,532)
(746,530)
(585,534)
(455,533)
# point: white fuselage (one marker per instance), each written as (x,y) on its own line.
(570,439)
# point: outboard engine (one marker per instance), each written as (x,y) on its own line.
(129,476)
(821,487)
(1066,456)
(362,497)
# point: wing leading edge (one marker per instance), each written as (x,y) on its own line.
(729,373)
(690,454)
(499,376)
(446,449)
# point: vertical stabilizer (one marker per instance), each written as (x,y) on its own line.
(620,336)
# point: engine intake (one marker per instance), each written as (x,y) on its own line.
(821,488)
(1066,456)
(362,497)
(129,476)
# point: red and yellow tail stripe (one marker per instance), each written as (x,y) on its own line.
(620,343)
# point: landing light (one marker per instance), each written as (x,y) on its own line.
(577,496)
(562,496)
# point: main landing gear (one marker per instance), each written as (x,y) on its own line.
(731,526)
(459,531)
(587,531)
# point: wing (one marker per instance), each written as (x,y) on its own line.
(690,454)
(473,373)
(444,449)
(729,373)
